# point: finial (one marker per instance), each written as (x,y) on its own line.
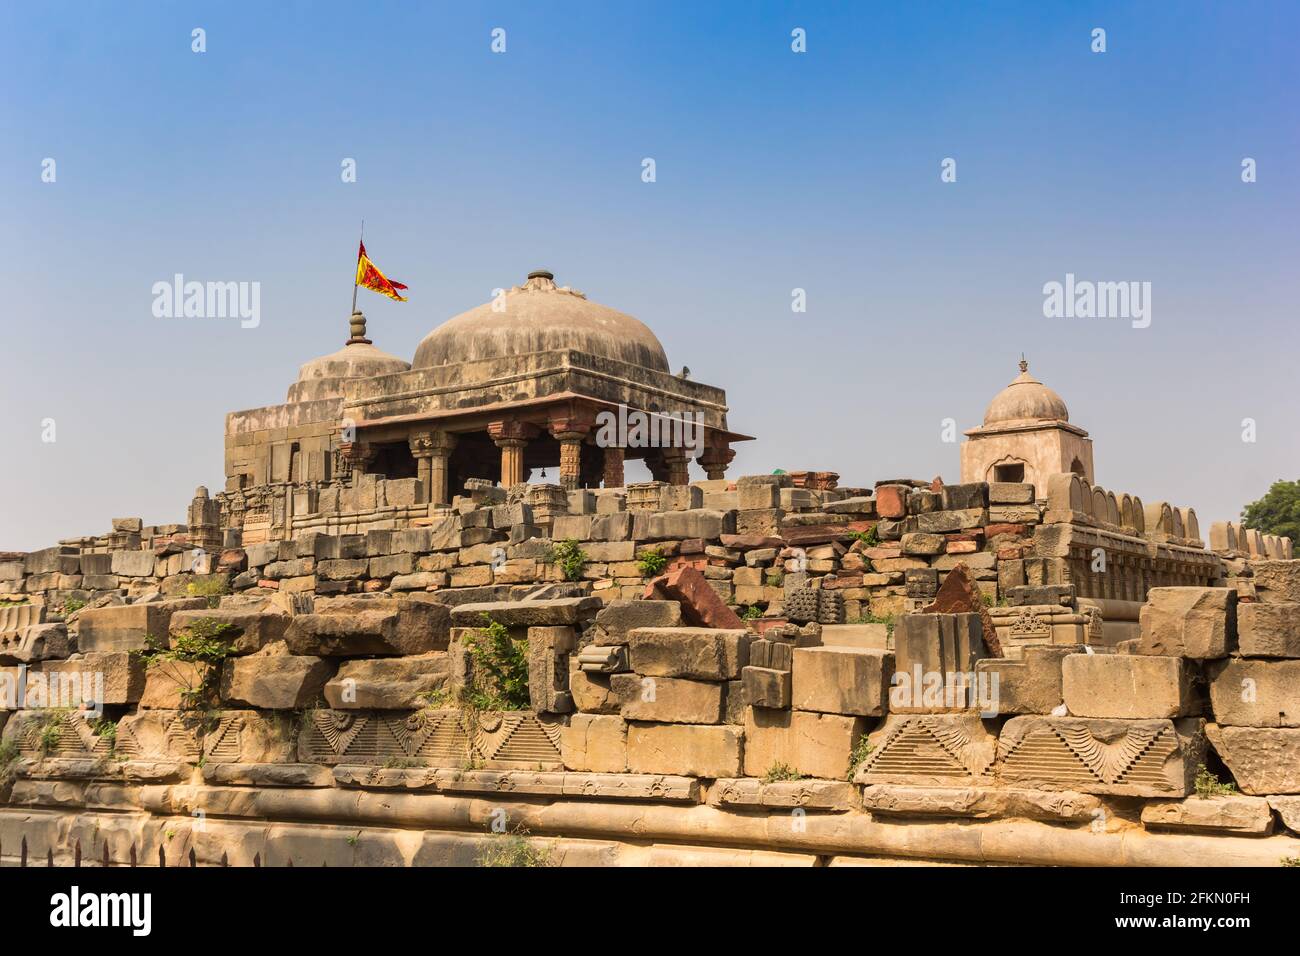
(1024,366)
(541,274)
(358,325)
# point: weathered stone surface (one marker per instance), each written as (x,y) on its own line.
(1222,814)
(830,795)
(1268,630)
(160,734)
(699,653)
(591,692)
(127,627)
(812,744)
(1277,582)
(841,680)
(979,803)
(247,628)
(767,687)
(246,736)
(1126,686)
(1199,623)
(355,627)
(935,657)
(178,685)
(709,750)
(595,742)
(543,613)
(856,635)
(1030,685)
(36,642)
(667,699)
(388,683)
(1263,760)
(939,750)
(1255,693)
(1288,808)
(700,604)
(619,618)
(274,679)
(1139,758)
(121,676)
(133,564)
(959,594)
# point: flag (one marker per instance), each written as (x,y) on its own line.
(369,277)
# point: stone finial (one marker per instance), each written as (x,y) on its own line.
(1024,366)
(358,326)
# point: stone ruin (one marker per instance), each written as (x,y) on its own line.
(351,669)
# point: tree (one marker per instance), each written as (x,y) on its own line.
(1278,512)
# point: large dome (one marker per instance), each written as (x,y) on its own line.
(324,377)
(539,317)
(1026,399)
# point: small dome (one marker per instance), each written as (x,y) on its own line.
(1026,399)
(323,377)
(538,316)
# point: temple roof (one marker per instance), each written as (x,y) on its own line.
(1026,399)
(323,377)
(538,316)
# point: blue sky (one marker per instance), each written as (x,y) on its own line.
(775,170)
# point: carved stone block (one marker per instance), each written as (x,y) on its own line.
(930,750)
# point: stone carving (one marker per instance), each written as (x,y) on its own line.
(929,750)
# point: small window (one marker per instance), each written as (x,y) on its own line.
(1014,472)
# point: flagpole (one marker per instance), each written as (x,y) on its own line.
(354,271)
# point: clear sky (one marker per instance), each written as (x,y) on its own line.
(775,170)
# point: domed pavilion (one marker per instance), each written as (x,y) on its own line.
(1026,436)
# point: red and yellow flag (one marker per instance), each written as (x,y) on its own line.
(369,277)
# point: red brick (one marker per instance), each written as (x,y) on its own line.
(891,501)
(701,606)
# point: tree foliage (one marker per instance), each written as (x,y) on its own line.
(1278,512)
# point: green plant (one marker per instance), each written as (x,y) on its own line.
(751,613)
(570,557)
(352,840)
(651,562)
(775,579)
(500,680)
(1291,861)
(400,763)
(50,733)
(514,849)
(8,759)
(1208,785)
(72,606)
(211,587)
(869,538)
(203,644)
(1278,512)
(861,751)
(105,728)
(781,771)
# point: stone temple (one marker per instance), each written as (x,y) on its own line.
(428,596)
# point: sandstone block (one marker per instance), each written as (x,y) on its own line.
(357,627)
(1269,630)
(937,750)
(667,699)
(133,564)
(1277,582)
(1219,814)
(127,627)
(1031,685)
(1255,693)
(841,680)
(1263,760)
(178,685)
(619,618)
(35,642)
(112,678)
(540,613)
(1191,622)
(274,679)
(813,744)
(978,803)
(1137,758)
(700,604)
(710,750)
(1120,685)
(698,653)
(594,743)
(388,683)
(248,628)
(767,687)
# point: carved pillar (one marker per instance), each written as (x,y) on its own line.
(511,438)
(431,450)
(356,456)
(658,465)
(678,466)
(570,432)
(714,460)
(613,471)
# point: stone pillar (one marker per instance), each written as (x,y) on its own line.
(431,450)
(714,460)
(356,456)
(613,471)
(570,431)
(678,465)
(512,439)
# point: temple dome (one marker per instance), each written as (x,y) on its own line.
(324,377)
(1026,399)
(538,316)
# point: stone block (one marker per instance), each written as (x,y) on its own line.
(539,613)
(160,735)
(1216,814)
(361,627)
(127,627)
(35,642)
(979,803)
(1268,630)
(966,496)
(1129,758)
(1011,493)
(767,687)
(594,743)
(1263,760)
(1277,582)
(667,699)
(935,750)
(1200,623)
(1031,684)
(1126,686)
(274,679)
(697,653)
(248,628)
(891,500)
(389,683)
(708,750)
(922,545)
(856,635)
(549,647)
(249,737)
(841,680)
(812,744)
(1255,693)
(178,685)
(700,604)
(832,795)
(133,564)
(111,679)
(935,654)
